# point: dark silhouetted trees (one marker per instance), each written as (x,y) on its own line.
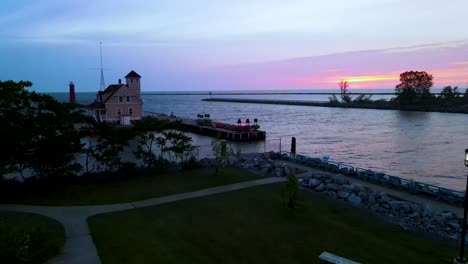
(345,97)
(449,93)
(414,87)
(37,132)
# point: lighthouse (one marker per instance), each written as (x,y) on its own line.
(72,93)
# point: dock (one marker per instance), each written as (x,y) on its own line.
(192,125)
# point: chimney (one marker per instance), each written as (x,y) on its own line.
(120,81)
(72,93)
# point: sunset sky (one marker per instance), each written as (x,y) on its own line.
(233,45)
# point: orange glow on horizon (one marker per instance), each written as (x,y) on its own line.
(456,74)
(365,78)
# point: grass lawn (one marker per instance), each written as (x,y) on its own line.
(130,189)
(29,238)
(253,226)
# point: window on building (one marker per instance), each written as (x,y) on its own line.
(128,98)
(119,112)
(130,111)
(131,80)
(120,99)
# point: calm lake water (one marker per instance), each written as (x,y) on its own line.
(427,147)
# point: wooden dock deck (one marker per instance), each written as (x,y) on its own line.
(232,135)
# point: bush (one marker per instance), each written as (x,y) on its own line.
(290,191)
(25,247)
(191,164)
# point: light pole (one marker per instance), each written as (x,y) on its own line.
(461,256)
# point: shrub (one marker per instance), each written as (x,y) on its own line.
(290,191)
(190,164)
(25,246)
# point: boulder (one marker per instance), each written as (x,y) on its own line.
(415,215)
(320,188)
(357,188)
(279,172)
(404,226)
(314,182)
(354,199)
(264,171)
(397,205)
(447,216)
(343,195)
(454,225)
(385,206)
(371,201)
(273,155)
(347,188)
(380,195)
(331,187)
(438,220)
(406,208)
(331,194)
(363,196)
(339,179)
(375,207)
(256,162)
(232,160)
(247,166)
(287,170)
(427,211)
(384,199)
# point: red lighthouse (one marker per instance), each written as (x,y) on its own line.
(72,93)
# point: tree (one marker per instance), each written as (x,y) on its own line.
(55,138)
(449,93)
(363,98)
(181,145)
(345,97)
(15,139)
(333,99)
(145,149)
(91,162)
(221,151)
(111,141)
(37,132)
(415,86)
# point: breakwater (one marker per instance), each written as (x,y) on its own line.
(378,105)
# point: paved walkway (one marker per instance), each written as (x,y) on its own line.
(79,247)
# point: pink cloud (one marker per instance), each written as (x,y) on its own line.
(363,69)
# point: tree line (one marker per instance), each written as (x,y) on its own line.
(414,89)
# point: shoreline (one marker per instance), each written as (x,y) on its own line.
(375,105)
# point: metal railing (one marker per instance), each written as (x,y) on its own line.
(394,182)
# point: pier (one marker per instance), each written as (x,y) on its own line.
(214,129)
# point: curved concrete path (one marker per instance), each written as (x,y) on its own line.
(79,247)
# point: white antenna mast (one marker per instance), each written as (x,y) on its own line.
(103,85)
